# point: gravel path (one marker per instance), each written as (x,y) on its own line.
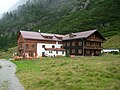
(8,79)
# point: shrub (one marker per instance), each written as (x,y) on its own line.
(68,53)
(116,53)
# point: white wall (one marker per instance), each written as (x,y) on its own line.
(110,50)
(40,49)
(54,53)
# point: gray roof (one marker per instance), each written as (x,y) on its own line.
(39,36)
(57,37)
(78,35)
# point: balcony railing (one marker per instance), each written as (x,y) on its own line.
(95,39)
(93,47)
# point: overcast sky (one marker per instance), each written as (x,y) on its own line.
(6,4)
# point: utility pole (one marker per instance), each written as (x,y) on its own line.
(83,46)
(24,47)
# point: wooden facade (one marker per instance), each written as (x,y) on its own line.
(74,47)
(87,46)
(27,46)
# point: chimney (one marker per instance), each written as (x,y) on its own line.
(39,31)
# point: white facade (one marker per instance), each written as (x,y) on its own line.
(50,53)
(110,50)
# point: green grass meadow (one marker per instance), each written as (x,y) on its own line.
(63,73)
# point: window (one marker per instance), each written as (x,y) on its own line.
(68,51)
(73,51)
(64,44)
(68,44)
(88,43)
(43,54)
(50,51)
(80,51)
(97,52)
(56,52)
(62,52)
(97,44)
(31,53)
(27,46)
(73,43)
(53,46)
(92,36)
(43,46)
(92,44)
(87,51)
(33,46)
(80,43)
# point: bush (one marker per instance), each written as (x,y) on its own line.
(68,53)
(116,53)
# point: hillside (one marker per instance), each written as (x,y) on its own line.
(60,16)
(113,42)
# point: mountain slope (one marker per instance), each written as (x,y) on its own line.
(104,16)
(15,6)
(61,16)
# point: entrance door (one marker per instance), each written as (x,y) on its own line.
(31,53)
(43,54)
(92,52)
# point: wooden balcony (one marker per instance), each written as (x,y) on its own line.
(93,47)
(95,39)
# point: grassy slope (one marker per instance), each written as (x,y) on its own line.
(113,42)
(85,73)
(8,54)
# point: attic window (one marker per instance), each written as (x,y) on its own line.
(92,36)
(71,35)
(48,37)
(58,37)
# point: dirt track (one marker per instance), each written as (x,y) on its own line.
(8,79)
